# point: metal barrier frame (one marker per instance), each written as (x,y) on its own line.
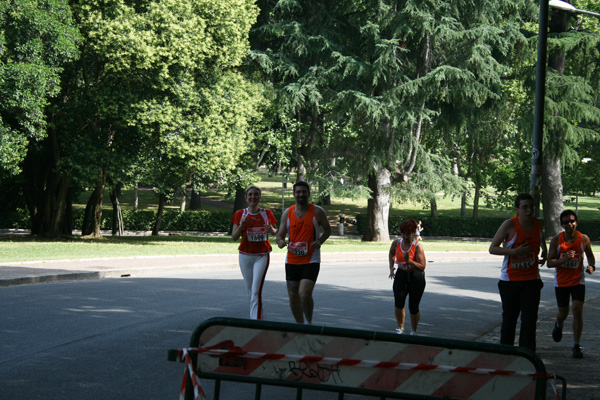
(540,391)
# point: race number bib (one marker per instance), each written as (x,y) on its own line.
(522,262)
(298,248)
(257,234)
(573,263)
(404,266)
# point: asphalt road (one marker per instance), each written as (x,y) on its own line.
(108,339)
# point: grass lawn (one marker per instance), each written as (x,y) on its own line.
(30,249)
(17,249)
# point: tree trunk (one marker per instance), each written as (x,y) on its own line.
(92,221)
(183,199)
(463,205)
(136,198)
(117,215)
(195,201)
(46,189)
(57,209)
(378,208)
(476,200)
(238,203)
(240,199)
(477,195)
(67,223)
(300,176)
(162,199)
(552,188)
(552,198)
(433,205)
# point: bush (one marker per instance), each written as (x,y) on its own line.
(15,219)
(442,226)
(465,227)
(143,220)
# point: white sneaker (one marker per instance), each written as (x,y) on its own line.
(400,331)
(413,333)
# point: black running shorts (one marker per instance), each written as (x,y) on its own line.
(297,272)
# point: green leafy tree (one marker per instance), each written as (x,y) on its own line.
(410,61)
(292,43)
(378,75)
(572,109)
(156,90)
(36,39)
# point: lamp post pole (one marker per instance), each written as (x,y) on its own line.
(538,116)
(540,93)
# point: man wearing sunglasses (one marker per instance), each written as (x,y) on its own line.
(566,256)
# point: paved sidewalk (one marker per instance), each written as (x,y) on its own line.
(17,273)
(582,375)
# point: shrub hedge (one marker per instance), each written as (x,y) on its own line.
(465,227)
(142,220)
(15,219)
(219,221)
(172,220)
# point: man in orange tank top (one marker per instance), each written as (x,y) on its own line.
(307,227)
(520,285)
(566,256)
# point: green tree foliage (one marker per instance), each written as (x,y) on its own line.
(157,92)
(572,106)
(36,39)
(384,75)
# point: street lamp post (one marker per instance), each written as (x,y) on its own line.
(538,115)
(564,6)
(540,93)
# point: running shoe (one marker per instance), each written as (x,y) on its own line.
(413,333)
(400,331)
(557,332)
(577,351)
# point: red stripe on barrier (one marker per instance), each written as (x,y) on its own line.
(385,365)
(465,385)
(349,363)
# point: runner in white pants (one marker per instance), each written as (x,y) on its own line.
(254,224)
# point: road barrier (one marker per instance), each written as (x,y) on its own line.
(350,361)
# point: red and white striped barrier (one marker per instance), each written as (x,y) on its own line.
(184,356)
(359,363)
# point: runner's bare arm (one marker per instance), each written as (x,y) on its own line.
(553,262)
(324,224)
(505,231)
(419,261)
(502,233)
(282,232)
(237,230)
(392,257)
(589,254)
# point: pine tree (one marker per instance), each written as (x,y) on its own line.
(572,106)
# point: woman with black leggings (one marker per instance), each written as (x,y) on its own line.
(409,279)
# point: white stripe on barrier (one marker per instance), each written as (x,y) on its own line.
(360,363)
(184,356)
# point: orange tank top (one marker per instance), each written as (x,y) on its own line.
(400,255)
(571,272)
(302,232)
(255,238)
(525,267)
